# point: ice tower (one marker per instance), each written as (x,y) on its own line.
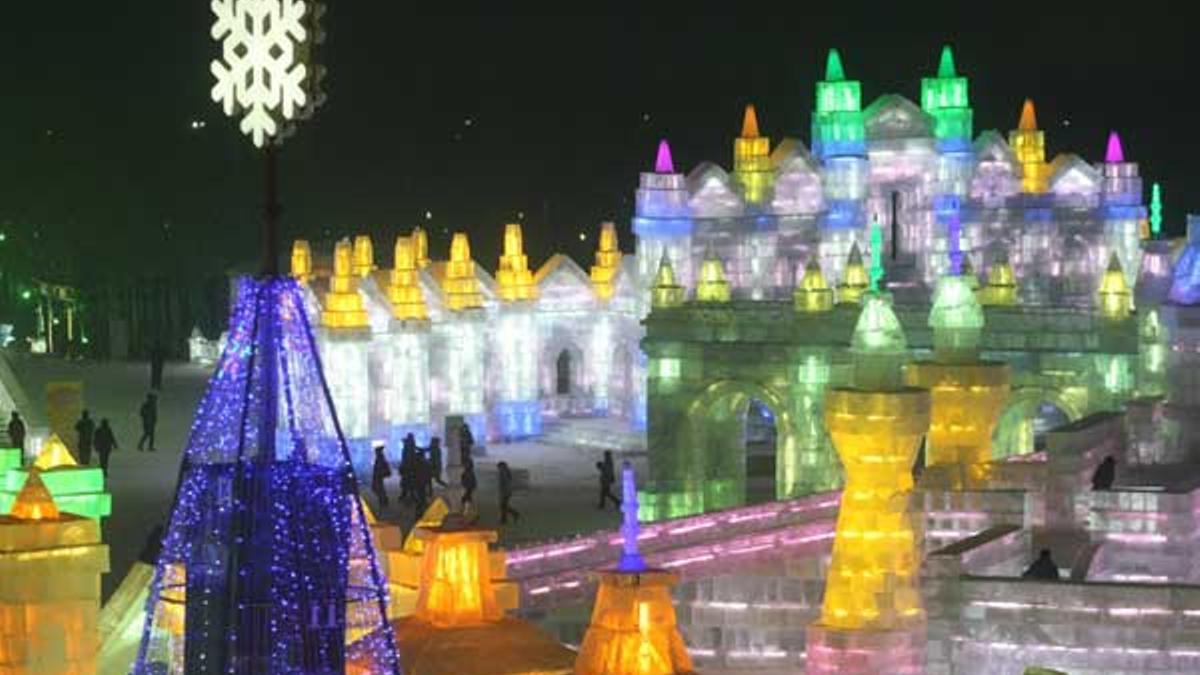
(462,337)
(302,267)
(813,293)
(405,386)
(662,219)
(712,286)
(1029,144)
(752,159)
(1122,209)
(1115,298)
(608,261)
(633,630)
(345,348)
(839,141)
(872,620)
(855,280)
(267,517)
(517,412)
(666,293)
(945,98)
(967,393)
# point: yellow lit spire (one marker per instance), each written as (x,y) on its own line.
(364,256)
(513,276)
(54,454)
(712,287)
(343,307)
(421,247)
(1001,286)
(34,501)
(1116,301)
(608,261)
(1029,144)
(301,261)
(855,281)
(813,294)
(752,158)
(404,289)
(666,291)
(460,283)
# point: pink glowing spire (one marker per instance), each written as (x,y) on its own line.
(663,163)
(1114,154)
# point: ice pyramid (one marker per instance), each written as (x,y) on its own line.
(267,526)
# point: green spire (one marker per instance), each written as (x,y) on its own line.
(878,346)
(876,254)
(833,67)
(946,64)
(956,319)
(1155,211)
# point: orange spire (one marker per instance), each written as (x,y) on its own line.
(1028,117)
(34,501)
(750,122)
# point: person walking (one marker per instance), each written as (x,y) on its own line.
(506,492)
(379,474)
(149,415)
(408,457)
(469,483)
(16,431)
(435,461)
(607,478)
(105,443)
(466,443)
(85,429)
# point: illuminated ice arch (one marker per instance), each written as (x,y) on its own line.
(1031,411)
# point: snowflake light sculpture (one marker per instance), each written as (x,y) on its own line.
(265,73)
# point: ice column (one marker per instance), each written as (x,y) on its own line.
(345,351)
(517,412)
(1123,212)
(462,336)
(662,219)
(407,383)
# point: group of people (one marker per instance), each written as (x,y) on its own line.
(89,437)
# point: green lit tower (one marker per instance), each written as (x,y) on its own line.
(1155,211)
(945,98)
(838,128)
(839,141)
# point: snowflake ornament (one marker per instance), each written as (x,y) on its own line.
(265,74)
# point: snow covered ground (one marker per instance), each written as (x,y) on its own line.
(561,500)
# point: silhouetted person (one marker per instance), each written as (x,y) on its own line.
(466,443)
(379,473)
(16,431)
(1042,568)
(422,479)
(85,429)
(469,483)
(506,492)
(105,443)
(153,546)
(158,358)
(435,461)
(607,478)
(408,456)
(1105,474)
(149,415)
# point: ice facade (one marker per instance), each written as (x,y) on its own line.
(408,346)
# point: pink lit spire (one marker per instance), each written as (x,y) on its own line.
(1114,154)
(663,163)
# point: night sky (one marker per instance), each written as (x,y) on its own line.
(479,119)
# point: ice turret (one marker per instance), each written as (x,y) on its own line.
(662,218)
(752,159)
(608,261)
(838,126)
(712,287)
(364,256)
(1029,144)
(404,289)
(813,294)
(1116,300)
(855,280)
(957,321)
(945,98)
(513,277)
(301,261)
(1001,289)
(460,284)
(343,307)
(878,346)
(421,247)
(666,292)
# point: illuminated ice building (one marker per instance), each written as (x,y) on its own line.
(406,345)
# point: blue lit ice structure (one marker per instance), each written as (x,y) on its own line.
(631,558)
(1185,285)
(267,564)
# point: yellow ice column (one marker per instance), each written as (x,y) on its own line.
(421,247)
(364,256)
(1001,289)
(50,567)
(855,280)
(752,158)
(1116,300)
(460,283)
(872,620)
(712,287)
(404,288)
(608,261)
(301,261)
(343,307)
(1029,144)
(666,292)
(513,276)
(967,393)
(813,294)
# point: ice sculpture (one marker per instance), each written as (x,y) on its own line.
(76,489)
(1029,144)
(666,293)
(752,159)
(712,287)
(855,281)
(813,293)
(302,267)
(1116,300)
(608,261)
